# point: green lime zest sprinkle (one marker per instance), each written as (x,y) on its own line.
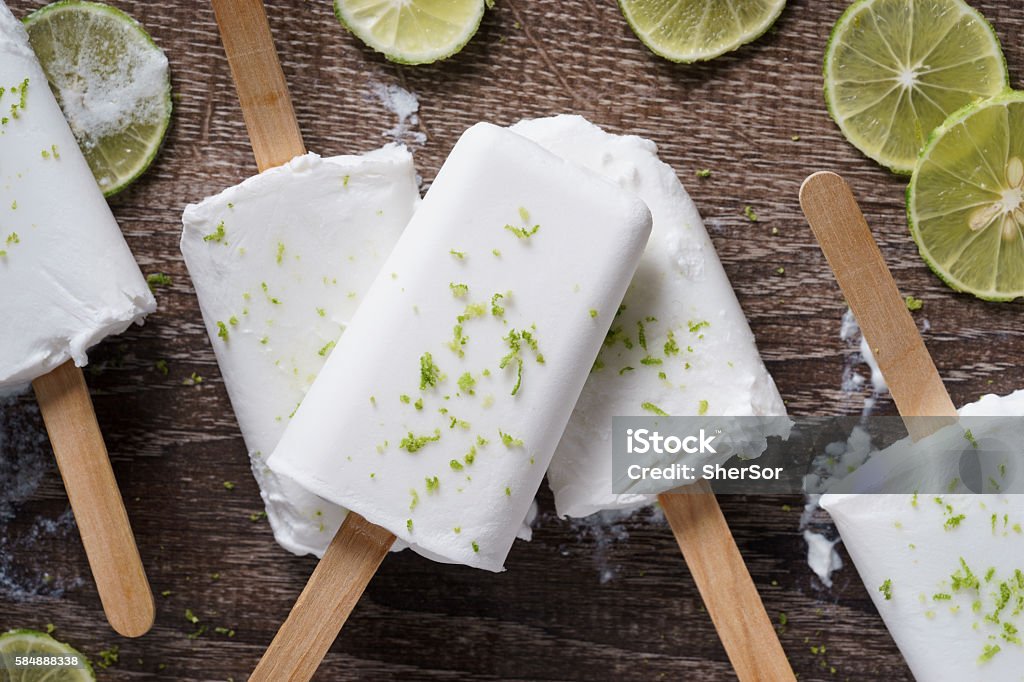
(328,347)
(522,232)
(408,522)
(748,211)
(456,465)
(13,238)
(459,339)
(593,312)
(345,180)
(418,404)
(412,443)
(430,373)
(496,252)
(508,491)
(321,312)
(702,407)
(229,485)
(481,441)
(988,652)
(467,382)
(671,347)
(157,279)
(217,235)
(704,173)
(496,309)
(954,521)
(649,360)
(508,440)
(222,330)
(625,369)
(404,399)
(886,589)
(161,366)
(913,304)
(415,499)
(461,255)
(433,483)
(695,327)
(472,310)
(233,321)
(969,437)
(651,407)
(470,456)
(476,547)
(257,516)
(458,290)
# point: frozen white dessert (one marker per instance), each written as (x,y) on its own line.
(438,412)
(679,344)
(67,278)
(280,263)
(946,571)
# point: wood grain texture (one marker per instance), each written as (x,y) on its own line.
(259,81)
(327,600)
(869,289)
(725,585)
(579,602)
(95,499)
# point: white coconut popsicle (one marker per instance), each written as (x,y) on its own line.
(680,343)
(280,263)
(67,278)
(939,584)
(438,411)
(67,281)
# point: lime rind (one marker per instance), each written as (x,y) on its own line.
(391,49)
(905,165)
(1007,256)
(117,155)
(26,641)
(770,14)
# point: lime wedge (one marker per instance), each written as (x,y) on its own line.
(111,81)
(698,30)
(412,31)
(965,202)
(895,69)
(33,644)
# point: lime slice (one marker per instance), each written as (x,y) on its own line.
(895,69)
(32,643)
(965,202)
(412,31)
(698,30)
(111,81)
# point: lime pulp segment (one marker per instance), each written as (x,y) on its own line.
(697,30)
(111,81)
(33,644)
(412,31)
(965,202)
(895,69)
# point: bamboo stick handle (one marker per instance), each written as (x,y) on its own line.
(881,312)
(95,500)
(725,585)
(321,610)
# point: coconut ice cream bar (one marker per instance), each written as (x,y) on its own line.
(679,344)
(280,263)
(438,411)
(946,572)
(67,278)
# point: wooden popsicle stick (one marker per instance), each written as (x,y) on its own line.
(95,500)
(259,80)
(725,585)
(359,547)
(871,292)
(326,602)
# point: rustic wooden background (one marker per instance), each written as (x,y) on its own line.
(581,602)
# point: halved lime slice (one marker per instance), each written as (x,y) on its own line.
(412,31)
(32,644)
(698,30)
(895,69)
(111,81)
(965,202)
